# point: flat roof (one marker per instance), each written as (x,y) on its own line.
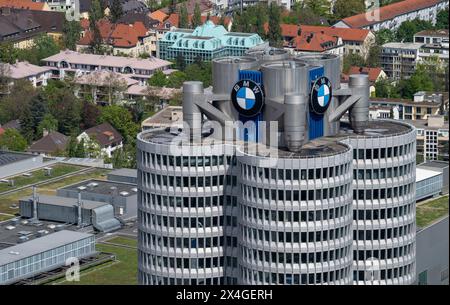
(8,157)
(39,245)
(434,164)
(64,201)
(103,187)
(376,128)
(403,45)
(164,117)
(125,172)
(423,124)
(423,174)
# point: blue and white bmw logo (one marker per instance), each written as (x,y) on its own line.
(247,97)
(321,93)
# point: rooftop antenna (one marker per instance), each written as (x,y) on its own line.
(79,206)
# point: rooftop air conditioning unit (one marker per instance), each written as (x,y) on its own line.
(81,188)
(124,193)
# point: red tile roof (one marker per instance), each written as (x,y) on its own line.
(373,73)
(291,30)
(158,15)
(23,4)
(314,42)
(389,12)
(117,35)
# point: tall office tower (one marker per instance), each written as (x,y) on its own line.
(268,183)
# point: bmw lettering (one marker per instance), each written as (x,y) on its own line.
(321,94)
(247,97)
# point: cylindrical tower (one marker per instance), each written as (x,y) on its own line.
(331,67)
(384,229)
(181,210)
(295,216)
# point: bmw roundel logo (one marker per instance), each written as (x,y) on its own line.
(247,97)
(321,94)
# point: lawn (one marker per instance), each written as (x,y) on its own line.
(430,211)
(39,176)
(48,189)
(121,272)
(123,241)
(5,217)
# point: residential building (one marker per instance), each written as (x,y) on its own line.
(435,43)
(21,26)
(128,6)
(420,108)
(206,42)
(51,144)
(432,137)
(37,75)
(71,63)
(69,7)
(349,41)
(384,112)
(243,207)
(206,7)
(391,16)
(119,39)
(44,254)
(103,137)
(25,4)
(398,60)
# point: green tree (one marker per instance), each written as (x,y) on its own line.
(419,81)
(345,8)
(71,34)
(121,119)
(274,34)
(442,19)
(199,72)
(373,58)
(184,19)
(180,62)
(196,18)
(27,124)
(352,59)
(176,79)
(71,150)
(95,13)
(407,29)
(80,151)
(384,89)
(44,46)
(8,54)
(48,123)
(11,139)
(116,11)
(384,36)
(158,79)
(19,98)
(319,7)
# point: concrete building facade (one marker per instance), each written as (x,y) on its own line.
(311,205)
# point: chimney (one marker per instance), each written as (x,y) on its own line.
(35,199)
(79,209)
(44,132)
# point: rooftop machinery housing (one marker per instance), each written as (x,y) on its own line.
(264,184)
